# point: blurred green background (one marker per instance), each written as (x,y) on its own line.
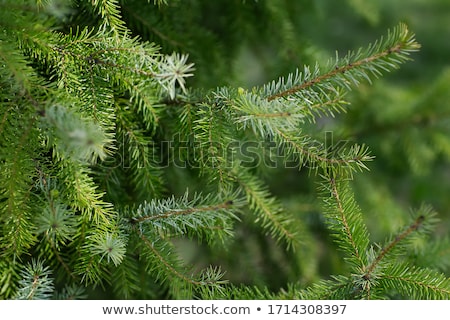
(402,117)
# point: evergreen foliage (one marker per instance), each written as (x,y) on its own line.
(120,153)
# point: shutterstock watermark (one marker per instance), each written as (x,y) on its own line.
(181,152)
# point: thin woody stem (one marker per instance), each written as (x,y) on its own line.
(346,226)
(172,213)
(413,227)
(149,244)
(335,71)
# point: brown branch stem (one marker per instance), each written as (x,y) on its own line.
(188,211)
(413,227)
(335,71)
(347,229)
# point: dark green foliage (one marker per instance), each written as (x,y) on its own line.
(132,170)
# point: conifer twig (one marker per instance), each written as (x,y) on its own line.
(413,227)
(227,204)
(381,56)
(337,70)
(347,229)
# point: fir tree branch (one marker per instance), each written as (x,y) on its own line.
(236,292)
(36,283)
(383,55)
(95,243)
(165,263)
(18,144)
(54,221)
(416,283)
(139,158)
(400,237)
(127,282)
(63,263)
(73,137)
(413,227)
(169,214)
(345,224)
(339,287)
(71,292)
(72,96)
(283,120)
(345,220)
(269,212)
(203,216)
(316,156)
(81,192)
(109,10)
(109,245)
(212,135)
(167,268)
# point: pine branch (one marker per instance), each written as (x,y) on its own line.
(109,10)
(84,105)
(413,227)
(17,170)
(344,218)
(201,217)
(284,121)
(93,245)
(315,155)
(81,193)
(416,283)
(137,158)
(339,287)
(305,106)
(55,221)
(384,55)
(17,72)
(36,283)
(236,292)
(397,245)
(205,217)
(109,245)
(268,211)
(167,268)
(127,281)
(211,138)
